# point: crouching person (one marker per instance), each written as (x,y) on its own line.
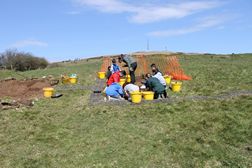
(153,84)
(128,88)
(108,73)
(115,77)
(157,74)
(114,91)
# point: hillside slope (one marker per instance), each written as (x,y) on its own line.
(69,132)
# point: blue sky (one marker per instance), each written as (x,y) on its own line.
(68,29)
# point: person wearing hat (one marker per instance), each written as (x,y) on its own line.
(131,64)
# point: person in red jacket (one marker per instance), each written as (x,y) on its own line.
(115,77)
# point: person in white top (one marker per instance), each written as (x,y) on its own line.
(129,87)
(157,74)
(160,77)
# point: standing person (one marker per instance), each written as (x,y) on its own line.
(115,77)
(157,74)
(128,88)
(131,64)
(114,67)
(154,85)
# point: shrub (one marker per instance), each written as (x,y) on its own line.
(21,61)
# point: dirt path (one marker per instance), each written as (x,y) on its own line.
(97,98)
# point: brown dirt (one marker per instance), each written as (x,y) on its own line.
(23,90)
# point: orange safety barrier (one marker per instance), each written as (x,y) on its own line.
(106,62)
(174,69)
(167,64)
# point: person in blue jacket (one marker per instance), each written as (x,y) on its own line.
(114,67)
(115,91)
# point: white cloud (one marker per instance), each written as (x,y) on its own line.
(152,14)
(29,43)
(149,12)
(205,23)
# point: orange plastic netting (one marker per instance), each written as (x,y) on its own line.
(168,65)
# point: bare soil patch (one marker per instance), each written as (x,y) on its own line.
(22,90)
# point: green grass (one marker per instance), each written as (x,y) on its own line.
(86,71)
(67,132)
(213,75)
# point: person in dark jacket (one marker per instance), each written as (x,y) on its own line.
(131,64)
(154,85)
(157,74)
(108,73)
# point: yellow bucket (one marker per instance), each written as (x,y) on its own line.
(122,81)
(148,95)
(128,79)
(48,92)
(101,75)
(73,80)
(176,86)
(136,97)
(167,79)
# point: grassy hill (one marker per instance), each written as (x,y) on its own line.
(68,132)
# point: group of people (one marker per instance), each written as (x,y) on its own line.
(152,82)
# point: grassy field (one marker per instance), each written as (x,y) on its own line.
(68,132)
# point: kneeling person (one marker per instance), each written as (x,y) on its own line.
(115,91)
(157,74)
(115,77)
(154,85)
(128,88)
